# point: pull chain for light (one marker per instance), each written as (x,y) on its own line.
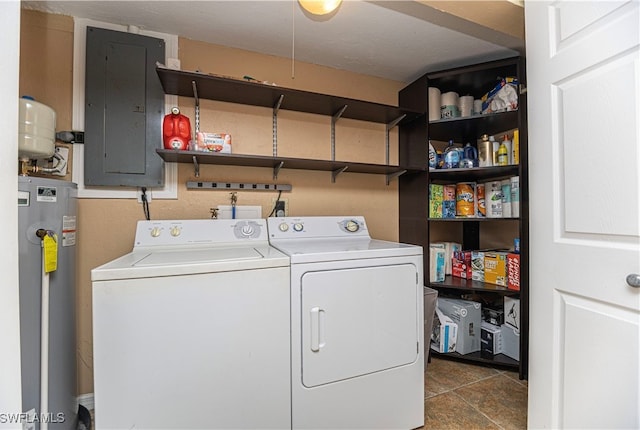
(293,40)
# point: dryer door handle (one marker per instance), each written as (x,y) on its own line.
(317,329)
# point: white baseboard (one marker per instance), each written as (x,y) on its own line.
(86,400)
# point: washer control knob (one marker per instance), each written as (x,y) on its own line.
(298,226)
(247,230)
(352,226)
(283,227)
(175,231)
(155,231)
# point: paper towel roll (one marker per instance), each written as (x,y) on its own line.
(434,103)
(450,107)
(466,106)
(477,107)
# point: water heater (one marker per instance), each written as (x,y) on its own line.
(36,130)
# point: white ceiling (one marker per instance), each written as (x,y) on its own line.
(396,40)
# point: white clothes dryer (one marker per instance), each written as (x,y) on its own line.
(191,329)
(357,358)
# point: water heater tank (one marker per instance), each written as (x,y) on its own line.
(36,130)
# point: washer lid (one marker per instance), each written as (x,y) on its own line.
(151,263)
(164,258)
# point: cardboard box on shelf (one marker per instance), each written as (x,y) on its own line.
(491,339)
(513,271)
(436,262)
(510,341)
(467,315)
(435,200)
(444,333)
(449,201)
(495,268)
(449,249)
(477,265)
(493,316)
(461,264)
(429,304)
(512,311)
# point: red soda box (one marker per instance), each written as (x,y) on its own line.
(513,271)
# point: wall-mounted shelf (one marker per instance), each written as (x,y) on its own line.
(276,163)
(202,85)
(211,87)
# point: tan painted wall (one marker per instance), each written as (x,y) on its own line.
(106,226)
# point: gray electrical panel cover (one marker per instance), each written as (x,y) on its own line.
(124,105)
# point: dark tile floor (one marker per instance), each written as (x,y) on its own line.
(466,396)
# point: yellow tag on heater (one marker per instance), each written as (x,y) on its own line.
(50,244)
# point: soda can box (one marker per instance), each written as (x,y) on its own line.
(513,271)
(495,268)
(435,200)
(466,199)
(449,201)
(461,264)
(477,265)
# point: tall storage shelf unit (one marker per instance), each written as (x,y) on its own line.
(473,233)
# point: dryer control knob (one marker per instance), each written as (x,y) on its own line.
(352,226)
(298,226)
(155,231)
(175,231)
(283,226)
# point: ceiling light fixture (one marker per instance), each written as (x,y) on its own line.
(320,7)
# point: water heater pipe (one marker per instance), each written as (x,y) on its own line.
(44,344)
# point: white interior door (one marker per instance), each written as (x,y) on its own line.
(583,99)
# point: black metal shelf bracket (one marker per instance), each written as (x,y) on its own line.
(334,119)
(392,176)
(336,172)
(274,124)
(197,108)
(196,166)
(276,169)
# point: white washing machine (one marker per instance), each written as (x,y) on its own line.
(191,329)
(357,358)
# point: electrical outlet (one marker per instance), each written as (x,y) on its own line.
(282,207)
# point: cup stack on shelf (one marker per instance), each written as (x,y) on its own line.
(450,104)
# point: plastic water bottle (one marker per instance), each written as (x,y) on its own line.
(451,156)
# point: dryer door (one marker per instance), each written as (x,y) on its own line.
(358,321)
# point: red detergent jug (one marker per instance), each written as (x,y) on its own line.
(176,130)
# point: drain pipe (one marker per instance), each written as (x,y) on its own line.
(44,339)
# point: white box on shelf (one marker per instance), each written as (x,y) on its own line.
(510,341)
(468,316)
(444,333)
(491,339)
(512,311)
